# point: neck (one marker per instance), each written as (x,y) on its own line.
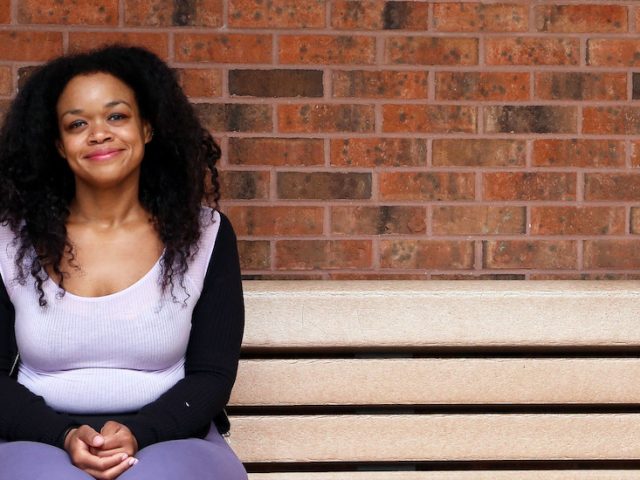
(106,208)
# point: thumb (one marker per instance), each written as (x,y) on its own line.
(89,436)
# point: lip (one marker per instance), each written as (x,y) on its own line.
(103,154)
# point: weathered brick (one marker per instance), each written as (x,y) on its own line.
(478,220)
(529,186)
(68,12)
(581,86)
(583,276)
(235,117)
(377,276)
(612,186)
(276,83)
(223,48)
(276,151)
(200,82)
(635,154)
(529,254)
(244,185)
(363,220)
(277,13)
(323,254)
(622,254)
(324,185)
(254,255)
(426,254)
(635,220)
(479,153)
(379,15)
(6,81)
(569,220)
(327,49)
(530,119)
(262,221)
(285,276)
(380,84)
(635,95)
(427,186)
(532,51)
(621,120)
(613,52)
(431,51)
(312,118)
(429,118)
(581,153)
(167,13)
(5,12)
(158,43)
(29,46)
(378,152)
(500,86)
(482,276)
(581,18)
(480,17)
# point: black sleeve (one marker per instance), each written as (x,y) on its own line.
(212,354)
(23,415)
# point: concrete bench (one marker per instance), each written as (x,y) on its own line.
(448,380)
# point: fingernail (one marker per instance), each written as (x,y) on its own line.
(123,457)
(133,461)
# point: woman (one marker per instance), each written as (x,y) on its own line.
(121,310)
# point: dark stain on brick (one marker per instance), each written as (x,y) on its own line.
(386,217)
(324,185)
(533,119)
(242,185)
(636,86)
(276,83)
(568,86)
(395,15)
(184,12)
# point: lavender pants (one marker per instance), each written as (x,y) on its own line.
(191,459)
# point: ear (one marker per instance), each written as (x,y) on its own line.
(60,149)
(147,131)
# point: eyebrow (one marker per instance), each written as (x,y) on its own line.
(110,104)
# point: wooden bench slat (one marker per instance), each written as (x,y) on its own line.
(437,381)
(389,438)
(452,475)
(398,314)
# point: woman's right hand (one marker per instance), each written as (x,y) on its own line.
(80,441)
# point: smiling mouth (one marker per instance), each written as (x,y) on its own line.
(103,154)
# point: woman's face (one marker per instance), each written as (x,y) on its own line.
(102,135)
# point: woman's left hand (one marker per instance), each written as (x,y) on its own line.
(117,439)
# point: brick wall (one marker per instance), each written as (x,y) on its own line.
(373,139)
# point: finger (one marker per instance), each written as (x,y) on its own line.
(101,452)
(89,436)
(113,472)
(110,428)
(100,464)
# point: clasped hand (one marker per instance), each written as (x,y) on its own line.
(105,455)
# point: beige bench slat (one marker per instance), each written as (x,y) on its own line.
(346,438)
(437,381)
(441,314)
(470,475)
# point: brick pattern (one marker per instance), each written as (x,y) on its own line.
(365,139)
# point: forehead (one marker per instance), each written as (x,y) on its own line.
(95,89)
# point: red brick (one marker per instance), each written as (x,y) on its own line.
(68,12)
(431,51)
(475,276)
(5,12)
(616,254)
(244,185)
(200,82)
(276,151)
(383,220)
(380,84)
(235,117)
(324,185)
(635,154)
(377,276)
(621,120)
(327,49)
(480,17)
(276,83)
(285,276)
(427,186)
(532,51)
(429,118)
(529,186)
(581,18)
(478,220)
(612,186)
(223,48)
(496,86)
(613,53)
(635,220)
(323,254)
(29,46)
(479,153)
(426,254)
(254,255)
(542,254)
(262,221)
(314,118)
(156,42)
(530,119)
(277,14)
(578,153)
(167,13)
(378,152)
(379,15)
(6,81)
(569,220)
(581,86)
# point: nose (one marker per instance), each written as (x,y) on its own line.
(99,134)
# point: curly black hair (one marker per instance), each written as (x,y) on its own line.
(178,172)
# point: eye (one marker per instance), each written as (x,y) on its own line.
(76,124)
(117,116)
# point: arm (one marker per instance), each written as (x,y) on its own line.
(212,354)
